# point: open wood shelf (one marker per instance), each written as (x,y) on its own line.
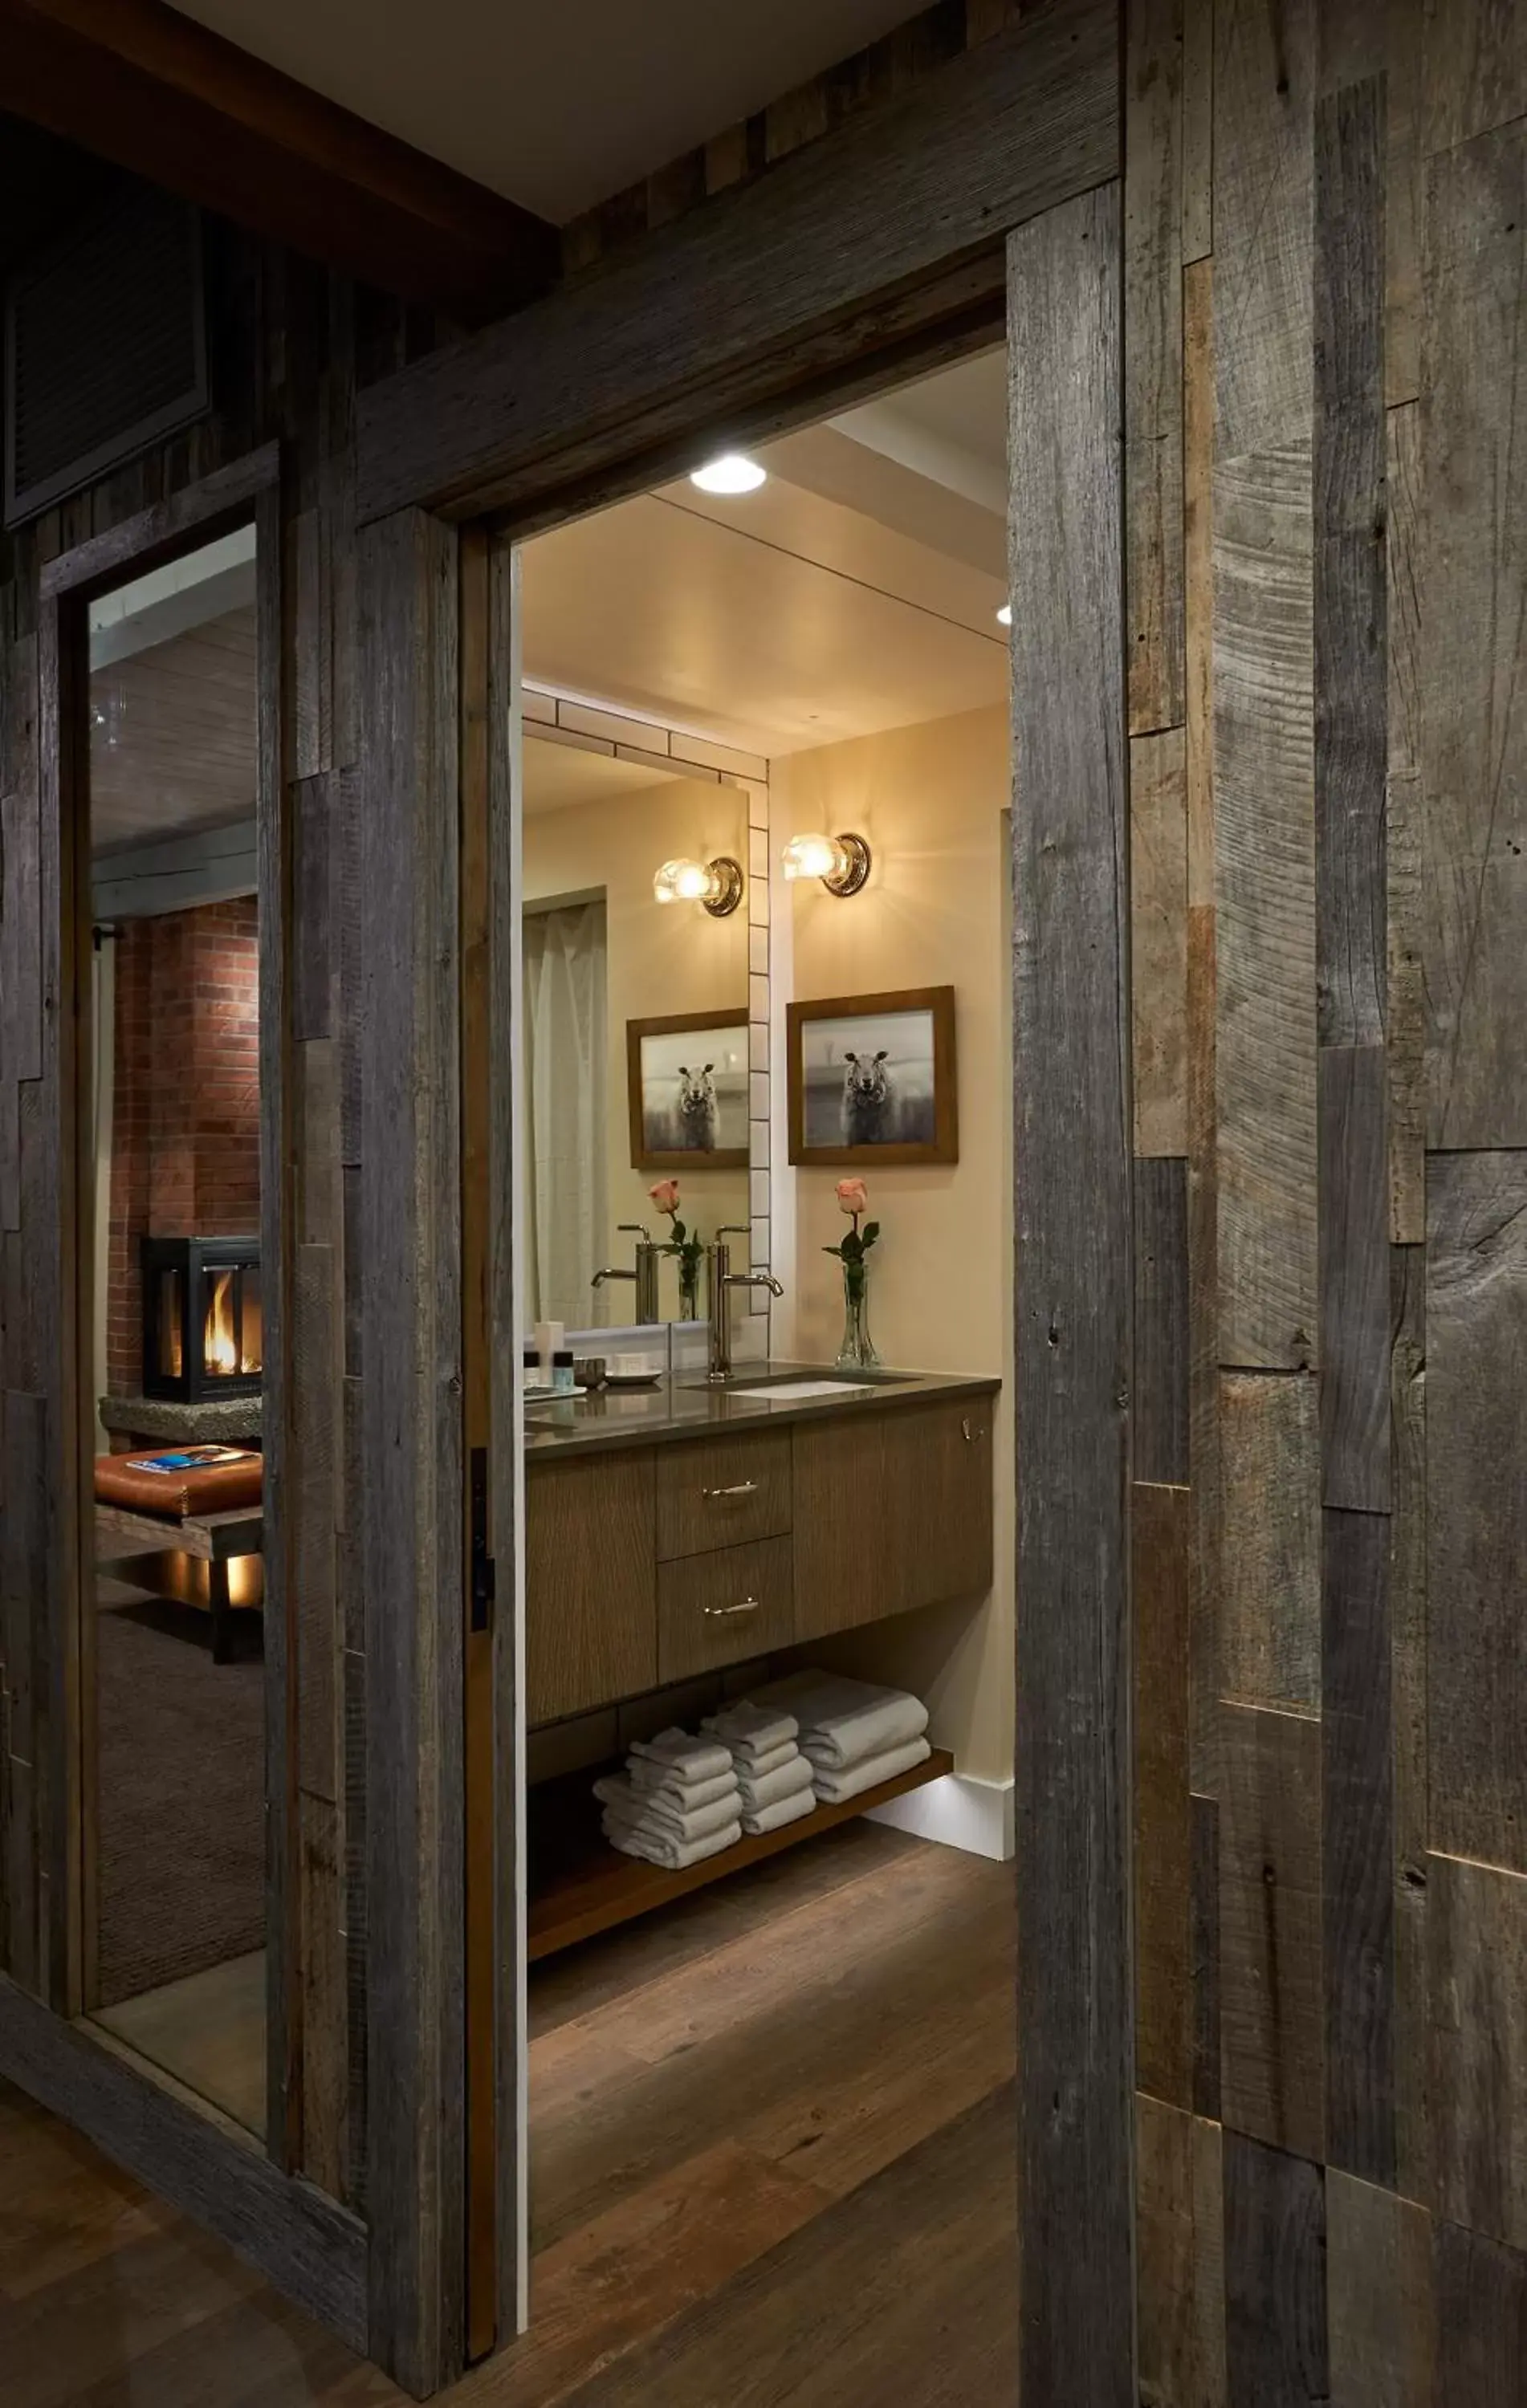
(581,1885)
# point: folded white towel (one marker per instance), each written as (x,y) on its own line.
(833,1789)
(653,1782)
(640,1812)
(692,1759)
(785,1781)
(673,1856)
(753,1767)
(754,1729)
(783,1810)
(845,1723)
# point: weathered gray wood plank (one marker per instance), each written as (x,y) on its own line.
(1382,2303)
(1197,130)
(1270,1991)
(1476,1504)
(1405,837)
(1476,1926)
(1270,1491)
(412,1499)
(1474,69)
(1180,2251)
(1160,1323)
(1263,107)
(1204,1814)
(1357,1846)
(1482,2296)
(1153,389)
(730,309)
(1408,1624)
(1354,1279)
(1264,880)
(1073,1275)
(1351,658)
(24,1576)
(315,1472)
(311,895)
(1160,1529)
(1474,607)
(1159,941)
(1275,2314)
(1203,1452)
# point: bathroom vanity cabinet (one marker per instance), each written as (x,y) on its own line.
(693,1534)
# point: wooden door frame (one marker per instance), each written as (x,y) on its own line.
(594,394)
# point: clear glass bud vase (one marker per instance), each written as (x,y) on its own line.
(857,1350)
(689,1289)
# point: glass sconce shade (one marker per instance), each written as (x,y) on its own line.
(717,884)
(841,862)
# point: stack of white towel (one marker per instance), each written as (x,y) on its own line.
(853,1735)
(774,1777)
(678,1802)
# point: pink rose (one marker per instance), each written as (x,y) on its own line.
(851,1196)
(665,1195)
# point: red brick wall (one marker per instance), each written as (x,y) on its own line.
(185,1128)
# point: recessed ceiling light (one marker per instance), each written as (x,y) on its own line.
(732,473)
(1005,616)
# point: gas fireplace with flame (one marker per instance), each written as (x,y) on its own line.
(202,1336)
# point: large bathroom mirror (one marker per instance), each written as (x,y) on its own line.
(175,1944)
(636,1020)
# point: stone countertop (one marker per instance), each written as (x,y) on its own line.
(688,1407)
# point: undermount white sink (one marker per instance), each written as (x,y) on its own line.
(791,1392)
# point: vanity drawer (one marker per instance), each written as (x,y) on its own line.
(723,1606)
(721,1493)
(591,1585)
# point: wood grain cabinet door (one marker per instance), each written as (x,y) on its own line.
(591,1585)
(723,1607)
(892,1509)
(722,1492)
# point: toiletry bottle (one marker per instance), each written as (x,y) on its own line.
(562,1379)
(529,1366)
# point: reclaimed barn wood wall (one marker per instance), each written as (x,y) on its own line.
(291,345)
(1326,518)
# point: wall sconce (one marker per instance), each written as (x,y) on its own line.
(717,884)
(841,862)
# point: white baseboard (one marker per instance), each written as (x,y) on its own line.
(957,1811)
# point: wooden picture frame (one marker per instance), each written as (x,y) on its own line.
(922,1126)
(643,1040)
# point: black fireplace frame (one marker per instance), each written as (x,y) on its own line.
(197,1260)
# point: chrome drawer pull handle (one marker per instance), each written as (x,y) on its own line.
(743,1488)
(968,1434)
(724,1613)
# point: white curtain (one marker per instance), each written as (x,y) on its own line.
(566,1034)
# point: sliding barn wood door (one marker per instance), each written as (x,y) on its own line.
(1073,1302)
(1326,344)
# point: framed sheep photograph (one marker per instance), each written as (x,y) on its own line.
(872,1078)
(687,1078)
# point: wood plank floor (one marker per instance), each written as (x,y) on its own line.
(773,2161)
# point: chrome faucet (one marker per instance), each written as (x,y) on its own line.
(723,1280)
(645,1273)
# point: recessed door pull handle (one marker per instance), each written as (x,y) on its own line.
(719,1496)
(725,1613)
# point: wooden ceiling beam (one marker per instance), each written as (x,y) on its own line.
(138,83)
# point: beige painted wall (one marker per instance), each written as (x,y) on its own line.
(931,800)
(662,958)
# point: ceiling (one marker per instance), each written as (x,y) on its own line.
(556,108)
(857,590)
(172,734)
